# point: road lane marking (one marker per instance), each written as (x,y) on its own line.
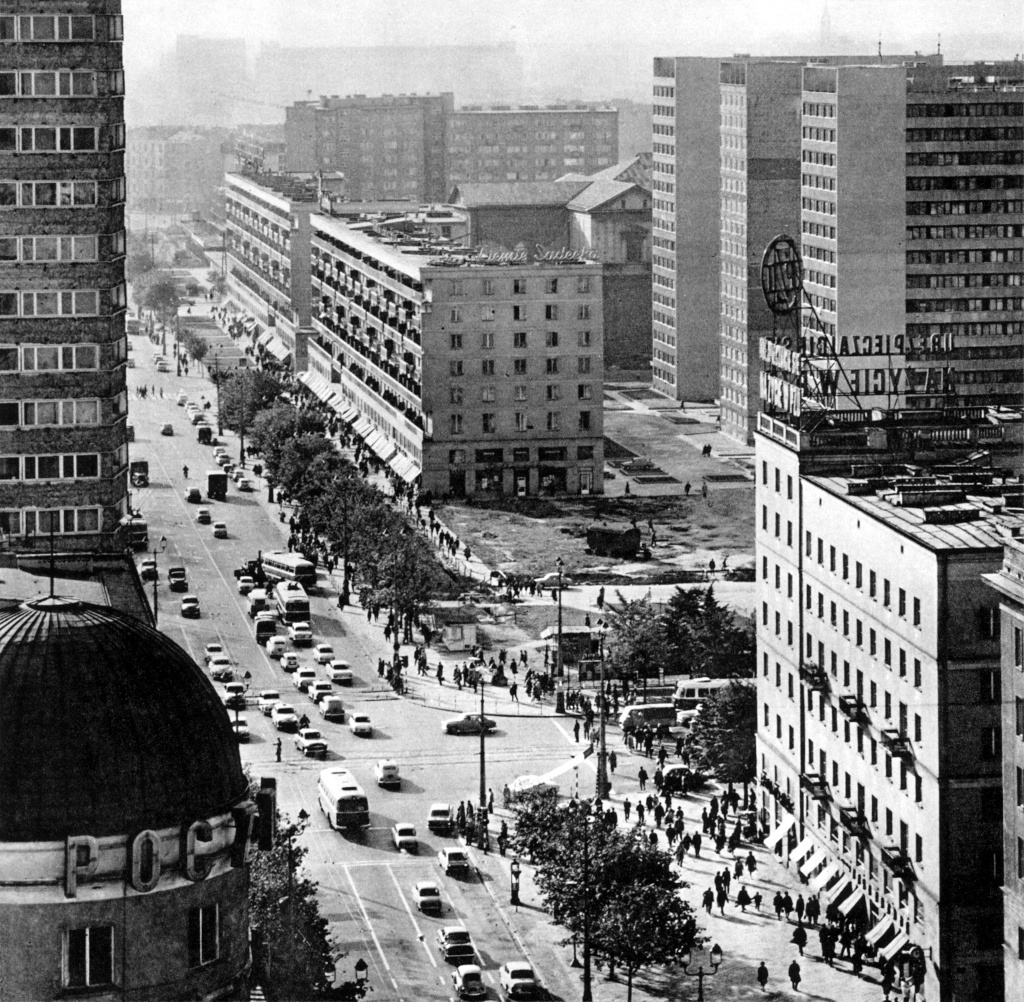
(369,926)
(412,918)
(588,761)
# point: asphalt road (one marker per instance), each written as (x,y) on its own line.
(365,884)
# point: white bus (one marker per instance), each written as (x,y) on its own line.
(291,603)
(343,800)
(690,693)
(283,566)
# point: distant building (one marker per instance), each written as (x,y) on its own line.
(387,147)
(260,149)
(605,216)
(472,374)
(174,170)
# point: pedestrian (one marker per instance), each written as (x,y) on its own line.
(612,760)
(184,472)
(757,900)
(506,798)
(888,977)
(800,908)
(440,673)
(575,728)
(626,808)
(751,863)
(709,900)
(777,904)
(696,845)
(743,898)
(490,801)
(794,975)
(721,899)
(279,749)
(762,971)
(513,692)
(787,904)
(642,777)
(800,937)
(738,869)
(639,813)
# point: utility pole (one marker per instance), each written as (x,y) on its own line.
(602,752)
(177,336)
(558,652)
(482,813)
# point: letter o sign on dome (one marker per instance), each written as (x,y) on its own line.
(144,853)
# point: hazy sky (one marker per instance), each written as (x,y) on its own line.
(641,28)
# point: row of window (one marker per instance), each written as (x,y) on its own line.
(982,207)
(819,253)
(48,357)
(520,286)
(971,182)
(997,256)
(519,366)
(59,521)
(89,952)
(57,28)
(818,230)
(817,157)
(977,231)
(520,454)
(27,249)
(520,339)
(984,135)
(823,181)
(1013,109)
(71,466)
(456,314)
(58,83)
(817,134)
(818,205)
(978,158)
(964,305)
(488,394)
(819,110)
(520,422)
(973,280)
(60,138)
(82,303)
(35,413)
(57,194)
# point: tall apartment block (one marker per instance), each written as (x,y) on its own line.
(686,238)
(63,351)
(475,374)
(1008,582)
(530,143)
(387,147)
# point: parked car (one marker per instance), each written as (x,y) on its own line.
(403,835)
(427,897)
(550,580)
(290,661)
(468,982)
(190,606)
(267,700)
(282,716)
(221,669)
(340,672)
(439,818)
(300,634)
(517,980)
(245,584)
(238,474)
(220,530)
(455,943)
(193,495)
(469,723)
(148,571)
(453,859)
(203,516)
(167,429)
(182,398)
(359,724)
(241,729)
(323,654)
(385,771)
(311,743)
(246,485)
(276,646)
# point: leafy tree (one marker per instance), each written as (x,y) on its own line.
(217,281)
(138,262)
(243,394)
(196,346)
(296,457)
(291,952)
(635,640)
(702,637)
(722,734)
(274,426)
(161,296)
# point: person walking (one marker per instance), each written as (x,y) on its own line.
(800,937)
(613,760)
(757,900)
(800,908)
(576,733)
(709,900)
(184,472)
(278,749)
(777,904)
(513,692)
(490,801)
(743,898)
(787,904)
(762,971)
(696,845)
(626,808)
(794,976)
(642,777)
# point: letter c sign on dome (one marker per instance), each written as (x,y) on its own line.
(196,867)
(144,854)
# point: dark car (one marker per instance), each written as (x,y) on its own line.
(193,495)
(178,578)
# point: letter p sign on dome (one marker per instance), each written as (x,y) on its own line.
(782,275)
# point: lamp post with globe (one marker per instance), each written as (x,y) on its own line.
(699,958)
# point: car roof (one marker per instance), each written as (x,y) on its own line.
(454,928)
(440,807)
(405,824)
(465,969)
(421,884)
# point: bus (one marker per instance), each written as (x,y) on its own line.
(343,800)
(137,530)
(690,693)
(283,566)
(291,603)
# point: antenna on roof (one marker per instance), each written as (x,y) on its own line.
(938,48)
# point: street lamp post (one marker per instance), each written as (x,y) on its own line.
(177,335)
(156,575)
(515,870)
(603,786)
(483,773)
(699,958)
(557,667)
(588,994)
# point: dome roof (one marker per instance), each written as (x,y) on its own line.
(106,727)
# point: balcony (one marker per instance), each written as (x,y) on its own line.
(814,783)
(814,676)
(852,707)
(897,743)
(853,820)
(898,862)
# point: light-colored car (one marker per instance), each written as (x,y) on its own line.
(182,398)
(550,580)
(193,495)
(167,429)
(198,417)
(439,818)
(245,584)
(468,982)
(212,650)
(222,458)
(517,980)
(237,474)
(267,700)
(190,606)
(290,661)
(453,859)
(233,695)
(283,717)
(427,897)
(300,633)
(220,530)
(276,646)
(241,729)
(323,654)
(148,570)
(318,690)
(332,708)
(303,679)
(523,785)
(469,723)
(203,516)
(162,367)
(246,485)
(455,943)
(221,669)
(311,743)
(359,724)
(340,672)
(403,835)
(385,771)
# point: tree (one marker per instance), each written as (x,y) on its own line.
(722,734)
(274,426)
(297,455)
(197,347)
(291,952)
(702,637)
(138,263)
(635,638)
(243,394)
(161,296)
(217,281)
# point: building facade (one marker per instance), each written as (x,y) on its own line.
(266,244)
(387,147)
(175,170)
(1008,583)
(63,433)
(477,374)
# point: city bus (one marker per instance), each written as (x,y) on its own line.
(690,693)
(137,530)
(343,800)
(282,566)
(291,603)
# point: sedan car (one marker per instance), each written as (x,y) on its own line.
(220,530)
(238,474)
(203,516)
(550,580)
(267,700)
(300,633)
(190,606)
(385,771)
(282,716)
(403,835)
(290,661)
(245,484)
(148,571)
(245,584)
(162,367)
(439,818)
(311,743)
(182,398)
(317,690)
(517,980)
(241,729)
(193,495)
(340,672)
(212,650)
(359,724)
(234,696)
(521,786)
(468,982)
(223,459)
(427,897)
(469,723)
(167,429)
(453,859)
(323,654)
(455,943)
(221,669)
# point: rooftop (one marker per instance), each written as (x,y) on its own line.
(294,187)
(509,109)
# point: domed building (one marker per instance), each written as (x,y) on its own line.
(124,814)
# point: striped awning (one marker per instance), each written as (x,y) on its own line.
(832,894)
(278,348)
(876,932)
(776,835)
(264,339)
(850,901)
(348,412)
(810,865)
(404,467)
(362,427)
(803,848)
(825,876)
(894,946)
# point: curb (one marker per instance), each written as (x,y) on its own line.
(506,921)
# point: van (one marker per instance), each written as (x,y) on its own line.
(265,627)
(332,708)
(656,715)
(257,601)
(276,646)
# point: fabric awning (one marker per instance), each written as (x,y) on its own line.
(893,947)
(348,413)
(825,876)
(832,894)
(264,339)
(404,467)
(278,348)
(362,427)
(850,901)
(803,848)
(774,836)
(316,384)
(373,440)
(810,865)
(384,447)
(876,932)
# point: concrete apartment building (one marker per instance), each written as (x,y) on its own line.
(63,402)
(266,245)
(1008,583)
(175,169)
(387,147)
(530,143)
(476,373)
(878,685)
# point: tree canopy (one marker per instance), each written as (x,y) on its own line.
(243,394)
(722,734)
(160,294)
(636,645)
